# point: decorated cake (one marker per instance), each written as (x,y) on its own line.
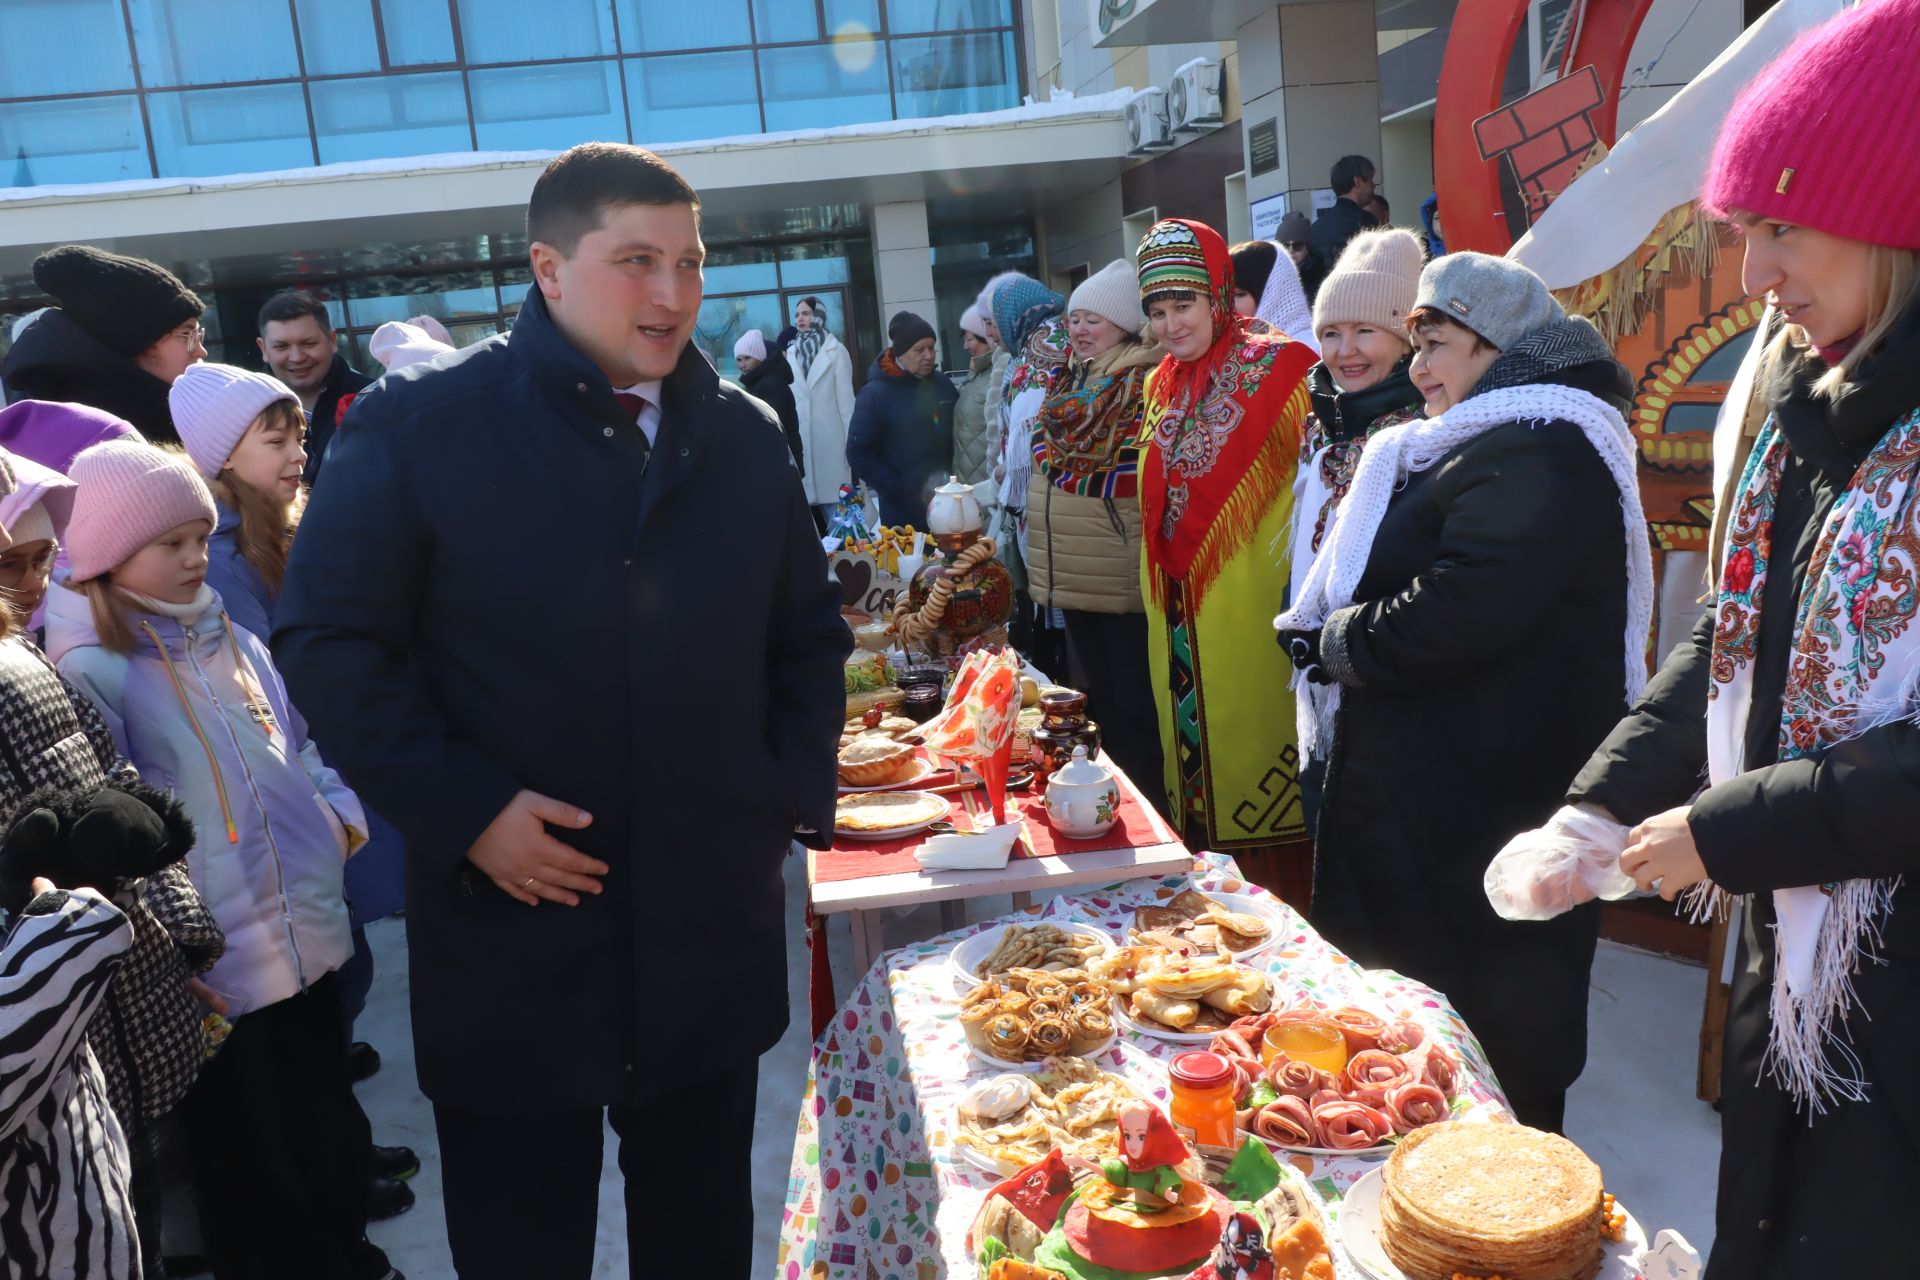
(1149,1213)
(1491,1199)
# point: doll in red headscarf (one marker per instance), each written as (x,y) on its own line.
(1150,1152)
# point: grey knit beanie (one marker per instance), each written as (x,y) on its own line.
(1497,298)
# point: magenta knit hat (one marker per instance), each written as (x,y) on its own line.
(129,495)
(1828,134)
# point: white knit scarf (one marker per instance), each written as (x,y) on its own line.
(1397,452)
(1855,663)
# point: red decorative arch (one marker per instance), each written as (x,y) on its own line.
(1479,46)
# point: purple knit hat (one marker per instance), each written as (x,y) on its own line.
(1828,134)
(129,495)
(53,434)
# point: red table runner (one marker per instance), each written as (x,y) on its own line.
(1138,828)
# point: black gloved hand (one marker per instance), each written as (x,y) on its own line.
(1303,650)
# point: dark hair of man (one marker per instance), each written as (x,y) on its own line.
(572,196)
(1433,320)
(291,304)
(818,308)
(1347,170)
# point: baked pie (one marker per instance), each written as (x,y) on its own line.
(874,761)
(887,810)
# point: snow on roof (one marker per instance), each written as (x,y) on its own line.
(1062,107)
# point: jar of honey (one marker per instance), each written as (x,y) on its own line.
(1201,1103)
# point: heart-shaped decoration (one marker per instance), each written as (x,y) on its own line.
(855,576)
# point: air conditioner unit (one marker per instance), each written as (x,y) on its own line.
(1147,126)
(1193,99)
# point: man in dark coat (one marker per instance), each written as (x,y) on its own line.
(299,344)
(488,618)
(768,377)
(901,438)
(1347,216)
(124,330)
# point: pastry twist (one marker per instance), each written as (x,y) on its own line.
(913,627)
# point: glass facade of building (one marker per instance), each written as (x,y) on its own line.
(102,90)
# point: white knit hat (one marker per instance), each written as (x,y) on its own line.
(1113,292)
(399,343)
(971,322)
(33,524)
(214,404)
(751,343)
(1374,282)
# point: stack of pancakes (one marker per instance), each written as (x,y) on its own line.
(1491,1199)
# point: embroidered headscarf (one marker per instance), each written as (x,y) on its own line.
(1222,433)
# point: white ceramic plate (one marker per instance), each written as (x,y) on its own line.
(1123,1015)
(1265,906)
(1360,1233)
(922,770)
(972,952)
(986,1163)
(1002,1064)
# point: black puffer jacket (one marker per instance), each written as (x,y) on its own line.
(901,439)
(1487,647)
(55,359)
(1798,1197)
(771,383)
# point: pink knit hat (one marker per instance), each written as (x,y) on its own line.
(129,495)
(1828,134)
(214,404)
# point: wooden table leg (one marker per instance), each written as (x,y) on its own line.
(867,942)
(1021,901)
(952,915)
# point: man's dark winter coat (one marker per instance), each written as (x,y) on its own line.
(1798,1195)
(901,439)
(55,359)
(344,382)
(1338,223)
(771,383)
(499,588)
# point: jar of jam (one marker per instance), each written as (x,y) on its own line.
(1201,1101)
(1063,726)
(924,702)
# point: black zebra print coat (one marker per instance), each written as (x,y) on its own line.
(64,1203)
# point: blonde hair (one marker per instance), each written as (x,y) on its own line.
(266,523)
(1893,288)
(112,614)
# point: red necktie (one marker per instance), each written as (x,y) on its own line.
(632,402)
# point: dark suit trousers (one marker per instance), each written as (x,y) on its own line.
(523,1188)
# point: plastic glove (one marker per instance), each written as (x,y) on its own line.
(1574,858)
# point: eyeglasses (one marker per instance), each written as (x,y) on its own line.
(14,567)
(191,334)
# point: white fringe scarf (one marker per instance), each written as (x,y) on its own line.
(1397,452)
(1855,662)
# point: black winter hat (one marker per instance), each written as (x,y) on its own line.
(127,303)
(904,330)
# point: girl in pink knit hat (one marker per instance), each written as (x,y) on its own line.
(1796,698)
(281,1153)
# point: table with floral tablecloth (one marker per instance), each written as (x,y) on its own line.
(875,1192)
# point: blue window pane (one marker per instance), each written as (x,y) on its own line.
(741,278)
(801,273)
(63,46)
(73,140)
(699,95)
(212,41)
(777,21)
(203,132)
(723,320)
(418,32)
(658,26)
(337,37)
(860,15)
(1690,417)
(947,15)
(390,116)
(948,75)
(375,300)
(515,31)
(524,108)
(824,85)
